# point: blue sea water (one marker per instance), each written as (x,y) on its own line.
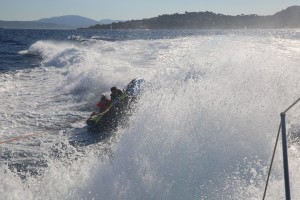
(15,41)
(203,129)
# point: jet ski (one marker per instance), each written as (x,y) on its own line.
(119,111)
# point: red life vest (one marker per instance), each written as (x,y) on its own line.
(103,105)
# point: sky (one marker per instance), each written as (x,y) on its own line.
(27,10)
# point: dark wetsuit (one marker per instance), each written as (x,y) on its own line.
(115,94)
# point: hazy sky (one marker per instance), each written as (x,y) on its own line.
(134,9)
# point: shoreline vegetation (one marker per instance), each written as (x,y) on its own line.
(288,18)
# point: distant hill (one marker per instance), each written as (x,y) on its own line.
(70,20)
(76,21)
(62,22)
(288,18)
(108,21)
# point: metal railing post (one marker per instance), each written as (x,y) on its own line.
(285,158)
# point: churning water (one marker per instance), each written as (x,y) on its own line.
(204,128)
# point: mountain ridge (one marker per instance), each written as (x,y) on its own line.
(70,20)
(60,22)
(287,18)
